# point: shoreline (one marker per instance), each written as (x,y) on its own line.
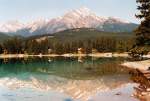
(65,55)
(141,65)
(142,92)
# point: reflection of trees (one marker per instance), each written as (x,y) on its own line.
(66,67)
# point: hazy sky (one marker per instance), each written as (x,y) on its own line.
(26,10)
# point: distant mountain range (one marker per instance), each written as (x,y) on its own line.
(81,34)
(79,18)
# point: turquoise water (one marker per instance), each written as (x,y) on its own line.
(64,79)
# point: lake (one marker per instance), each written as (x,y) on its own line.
(65,79)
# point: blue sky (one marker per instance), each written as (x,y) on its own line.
(27,10)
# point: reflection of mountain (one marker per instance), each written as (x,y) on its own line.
(78,89)
(65,75)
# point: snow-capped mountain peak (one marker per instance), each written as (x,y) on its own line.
(84,11)
(82,18)
(81,12)
(78,18)
(11,26)
(37,24)
(116,19)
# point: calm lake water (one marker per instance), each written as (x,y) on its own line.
(65,79)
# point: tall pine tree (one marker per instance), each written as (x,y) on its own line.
(143,31)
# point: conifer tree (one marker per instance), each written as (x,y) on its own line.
(143,31)
(1,49)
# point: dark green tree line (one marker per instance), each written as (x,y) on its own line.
(101,44)
(13,46)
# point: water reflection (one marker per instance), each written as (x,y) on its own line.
(80,80)
(63,67)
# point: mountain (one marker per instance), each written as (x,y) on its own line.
(81,34)
(11,26)
(114,25)
(3,37)
(79,18)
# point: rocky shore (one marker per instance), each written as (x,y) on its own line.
(142,92)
